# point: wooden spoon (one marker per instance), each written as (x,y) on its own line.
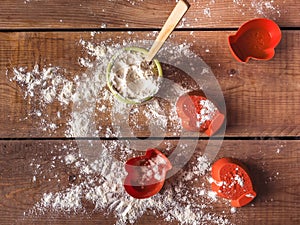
(180,9)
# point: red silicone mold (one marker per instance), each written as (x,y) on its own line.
(255,39)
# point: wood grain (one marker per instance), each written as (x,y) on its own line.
(262,104)
(57,14)
(273,164)
(262,98)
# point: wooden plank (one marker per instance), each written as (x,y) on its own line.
(15,14)
(262,98)
(30,169)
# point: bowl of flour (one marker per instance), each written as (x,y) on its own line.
(131,78)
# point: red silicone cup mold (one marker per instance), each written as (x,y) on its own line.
(255,39)
(146,174)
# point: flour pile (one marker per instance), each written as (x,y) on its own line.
(185,197)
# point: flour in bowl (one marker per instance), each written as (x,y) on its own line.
(132,77)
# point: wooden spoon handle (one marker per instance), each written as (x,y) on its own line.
(180,9)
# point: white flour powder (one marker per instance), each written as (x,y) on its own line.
(43,87)
(185,197)
(48,83)
(132,77)
(207,112)
(260,7)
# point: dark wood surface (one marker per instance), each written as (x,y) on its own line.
(274,164)
(141,14)
(262,99)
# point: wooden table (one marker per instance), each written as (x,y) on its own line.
(262,102)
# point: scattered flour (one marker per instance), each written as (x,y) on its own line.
(207,112)
(206,12)
(260,7)
(102,185)
(185,197)
(43,87)
(48,83)
(233,210)
(29,1)
(102,178)
(265,8)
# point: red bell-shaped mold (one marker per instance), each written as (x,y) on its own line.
(232,181)
(146,174)
(255,39)
(199,114)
